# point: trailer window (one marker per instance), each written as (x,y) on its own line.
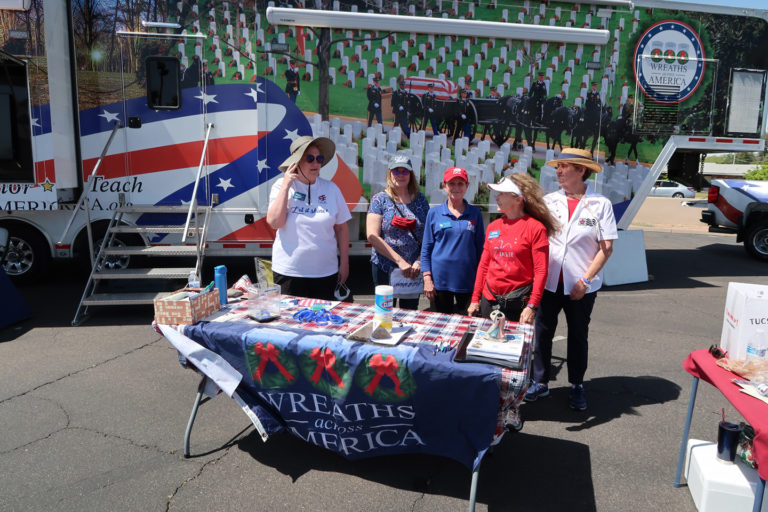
(15,126)
(163,83)
(745,103)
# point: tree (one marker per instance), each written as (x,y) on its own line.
(761,173)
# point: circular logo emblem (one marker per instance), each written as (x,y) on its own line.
(669,62)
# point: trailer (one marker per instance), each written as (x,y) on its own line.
(158,129)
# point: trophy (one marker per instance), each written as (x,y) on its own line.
(497,329)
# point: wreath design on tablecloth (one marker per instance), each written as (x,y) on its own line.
(326,372)
(385,378)
(269,367)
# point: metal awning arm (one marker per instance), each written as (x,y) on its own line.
(193,200)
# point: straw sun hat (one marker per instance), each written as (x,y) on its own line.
(576,156)
(299,147)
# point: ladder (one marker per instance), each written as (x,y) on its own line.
(110,267)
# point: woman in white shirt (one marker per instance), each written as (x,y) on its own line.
(577,255)
(310,216)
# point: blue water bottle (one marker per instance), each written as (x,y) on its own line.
(220,281)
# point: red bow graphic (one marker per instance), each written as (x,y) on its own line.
(386,367)
(325,360)
(266,355)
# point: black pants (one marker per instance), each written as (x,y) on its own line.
(371,114)
(451,303)
(311,287)
(511,309)
(577,316)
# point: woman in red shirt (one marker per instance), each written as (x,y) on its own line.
(513,268)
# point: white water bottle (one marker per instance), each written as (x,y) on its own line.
(193,281)
(757,346)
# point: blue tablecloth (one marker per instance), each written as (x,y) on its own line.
(357,399)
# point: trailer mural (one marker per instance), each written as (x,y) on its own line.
(662,72)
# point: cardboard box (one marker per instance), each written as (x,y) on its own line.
(716,486)
(746,310)
(186,310)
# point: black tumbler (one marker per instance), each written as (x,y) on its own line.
(728,440)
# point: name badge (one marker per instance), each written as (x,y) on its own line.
(299,196)
(444,225)
(494,234)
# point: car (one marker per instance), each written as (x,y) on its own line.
(666,188)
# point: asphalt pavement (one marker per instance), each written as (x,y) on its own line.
(93,417)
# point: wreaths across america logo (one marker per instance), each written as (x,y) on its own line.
(349,401)
(669,62)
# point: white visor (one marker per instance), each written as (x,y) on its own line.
(505,185)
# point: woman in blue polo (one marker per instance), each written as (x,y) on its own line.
(453,243)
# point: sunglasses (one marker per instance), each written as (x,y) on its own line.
(400,172)
(717,352)
(311,158)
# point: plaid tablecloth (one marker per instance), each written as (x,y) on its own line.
(429,327)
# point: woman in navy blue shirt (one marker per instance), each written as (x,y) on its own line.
(453,243)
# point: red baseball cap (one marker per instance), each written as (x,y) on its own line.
(455,172)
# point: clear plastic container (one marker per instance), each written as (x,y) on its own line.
(757,346)
(193,281)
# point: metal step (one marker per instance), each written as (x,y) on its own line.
(145,273)
(152,229)
(155,250)
(148,208)
(117,299)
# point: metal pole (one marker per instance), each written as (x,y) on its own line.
(87,190)
(193,201)
(686,431)
(188,431)
(473,489)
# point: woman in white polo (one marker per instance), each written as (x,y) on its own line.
(310,216)
(577,254)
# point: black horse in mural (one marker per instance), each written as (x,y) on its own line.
(526,122)
(560,120)
(618,131)
(587,125)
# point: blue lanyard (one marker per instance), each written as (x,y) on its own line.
(319,317)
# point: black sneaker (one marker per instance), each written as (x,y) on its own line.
(537,390)
(578,400)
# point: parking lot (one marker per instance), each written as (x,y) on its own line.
(93,417)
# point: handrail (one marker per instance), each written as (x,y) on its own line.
(193,200)
(87,189)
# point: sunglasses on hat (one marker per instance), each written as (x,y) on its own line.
(311,158)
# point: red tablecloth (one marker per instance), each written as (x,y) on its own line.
(701,364)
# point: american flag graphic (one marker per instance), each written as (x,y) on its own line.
(156,164)
(444,89)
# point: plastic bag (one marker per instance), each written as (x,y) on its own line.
(745,447)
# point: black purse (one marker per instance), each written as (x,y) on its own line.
(518,296)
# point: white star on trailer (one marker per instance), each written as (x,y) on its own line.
(207,98)
(225,184)
(109,116)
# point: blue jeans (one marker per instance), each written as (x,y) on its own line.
(381,277)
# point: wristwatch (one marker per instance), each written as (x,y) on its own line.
(532,306)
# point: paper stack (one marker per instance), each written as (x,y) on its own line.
(507,352)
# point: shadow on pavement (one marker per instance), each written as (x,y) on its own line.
(608,398)
(684,268)
(510,475)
